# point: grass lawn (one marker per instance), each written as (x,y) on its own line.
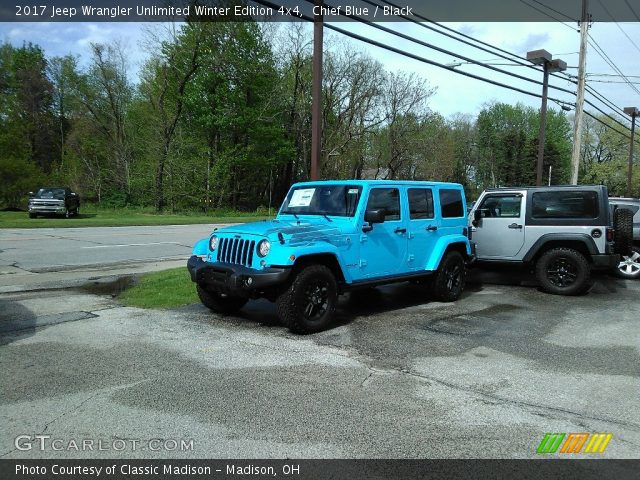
(121,218)
(164,289)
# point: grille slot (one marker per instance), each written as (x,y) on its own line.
(236,250)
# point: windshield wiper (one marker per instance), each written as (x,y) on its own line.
(326,216)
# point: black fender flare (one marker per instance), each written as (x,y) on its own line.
(560,237)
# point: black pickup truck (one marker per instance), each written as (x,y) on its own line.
(53,201)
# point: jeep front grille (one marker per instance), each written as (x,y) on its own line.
(236,250)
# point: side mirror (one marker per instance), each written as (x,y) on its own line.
(477,215)
(371,217)
(73,194)
(374,216)
(31,194)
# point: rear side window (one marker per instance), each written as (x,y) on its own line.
(633,208)
(387,199)
(420,203)
(569,204)
(451,203)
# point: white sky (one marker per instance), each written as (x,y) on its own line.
(454,94)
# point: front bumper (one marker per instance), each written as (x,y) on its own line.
(47,209)
(233,279)
(606,261)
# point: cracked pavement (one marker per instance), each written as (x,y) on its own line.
(398,377)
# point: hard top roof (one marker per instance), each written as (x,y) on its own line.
(544,187)
(378,183)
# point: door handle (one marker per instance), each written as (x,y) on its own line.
(400,230)
(515,226)
(431,228)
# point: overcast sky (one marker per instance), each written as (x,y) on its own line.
(454,93)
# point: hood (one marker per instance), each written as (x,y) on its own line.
(293,232)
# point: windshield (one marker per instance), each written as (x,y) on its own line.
(50,193)
(335,200)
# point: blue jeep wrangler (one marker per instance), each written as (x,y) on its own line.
(333,236)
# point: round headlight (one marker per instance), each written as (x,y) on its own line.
(213,242)
(264,247)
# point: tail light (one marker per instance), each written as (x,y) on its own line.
(611,234)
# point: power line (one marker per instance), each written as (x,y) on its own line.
(437,64)
(556,11)
(603,99)
(518,60)
(440,49)
(547,14)
(632,10)
(408,54)
(614,81)
(406,37)
(618,25)
(628,137)
(610,75)
(592,90)
(425,44)
(600,51)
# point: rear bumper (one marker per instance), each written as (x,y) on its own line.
(234,279)
(606,261)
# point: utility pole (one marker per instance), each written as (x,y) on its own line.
(543,124)
(577,125)
(633,111)
(316,91)
(542,57)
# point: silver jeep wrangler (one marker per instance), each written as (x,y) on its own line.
(563,233)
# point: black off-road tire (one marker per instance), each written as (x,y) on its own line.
(623,225)
(563,271)
(309,303)
(32,215)
(220,303)
(448,282)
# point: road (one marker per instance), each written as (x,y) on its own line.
(58,249)
(398,376)
(50,255)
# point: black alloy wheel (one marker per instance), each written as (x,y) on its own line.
(562,272)
(316,295)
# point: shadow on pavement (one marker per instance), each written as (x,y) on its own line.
(355,304)
(16,322)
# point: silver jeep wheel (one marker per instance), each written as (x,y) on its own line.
(629,267)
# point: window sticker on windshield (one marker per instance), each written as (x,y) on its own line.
(353,191)
(302,197)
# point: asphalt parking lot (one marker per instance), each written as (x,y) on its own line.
(398,377)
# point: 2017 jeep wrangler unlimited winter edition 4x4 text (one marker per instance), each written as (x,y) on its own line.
(563,232)
(331,236)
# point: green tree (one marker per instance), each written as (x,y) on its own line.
(26,121)
(507,139)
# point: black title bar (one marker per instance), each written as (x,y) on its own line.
(318,469)
(567,11)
